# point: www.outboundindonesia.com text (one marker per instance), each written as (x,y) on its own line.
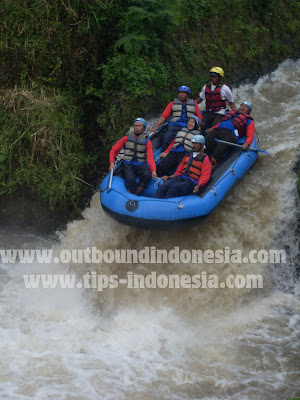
(147,255)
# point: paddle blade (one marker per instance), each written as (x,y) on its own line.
(263,152)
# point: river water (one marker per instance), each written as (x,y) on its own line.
(146,344)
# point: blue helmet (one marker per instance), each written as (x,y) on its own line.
(248,103)
(197,121)
(198,139)
(139,119)
(184,89)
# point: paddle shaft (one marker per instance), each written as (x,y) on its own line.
(241,147)
(110,179)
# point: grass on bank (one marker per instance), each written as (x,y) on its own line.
(41,146)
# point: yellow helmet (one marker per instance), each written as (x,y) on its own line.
(217,70)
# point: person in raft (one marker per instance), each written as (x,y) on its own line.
(233,125)
(191,175)
(181,145)
(137,153)
(215,95)
(179,110)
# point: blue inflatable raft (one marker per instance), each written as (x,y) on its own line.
(150,213)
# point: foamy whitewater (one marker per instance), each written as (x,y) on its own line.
(146,344)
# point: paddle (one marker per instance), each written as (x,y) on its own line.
(110,180)
(161,126)
(241,147)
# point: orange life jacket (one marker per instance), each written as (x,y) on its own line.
(192,166)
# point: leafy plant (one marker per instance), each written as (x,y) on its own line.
(42,148)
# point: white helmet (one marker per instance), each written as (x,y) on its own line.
(249,104)
(198,139)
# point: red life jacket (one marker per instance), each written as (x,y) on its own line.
(192,166)
(213,98)
(239,120)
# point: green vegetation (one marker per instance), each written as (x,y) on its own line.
(75,73)
(41,145)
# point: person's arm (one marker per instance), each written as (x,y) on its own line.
(179,168)
(150,158)
(201,96)
(213,127)
(197,112)
(177,172)
(205,174)
(228,96)
(250,132)
(160,121)
(165,177)
(164,116)
(170,146)
(115,150)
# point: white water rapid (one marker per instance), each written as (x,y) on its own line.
(149,344)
